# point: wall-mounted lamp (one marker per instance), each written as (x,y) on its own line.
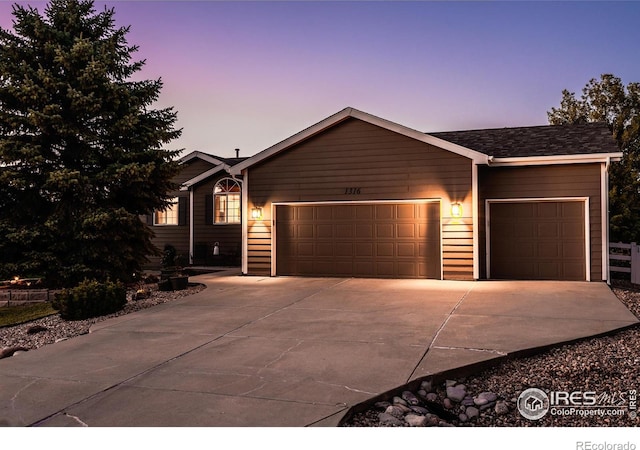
(256,213)
(456,210)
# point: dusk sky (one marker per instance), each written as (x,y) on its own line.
(250,74)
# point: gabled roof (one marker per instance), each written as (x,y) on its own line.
(547,140)
(220,164)
(547,144)
(215,160)
(347,113)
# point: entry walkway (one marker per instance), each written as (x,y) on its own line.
(250,351)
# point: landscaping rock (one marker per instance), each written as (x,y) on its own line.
(410,398)
(389,420)
(427,386)
(501,408)
(36,329)
(447,403)
(395,411)
(472,412)
(6,352)
(415,420)
(456,393)
(399,401)
(419,410)
(432,397)
(382,406)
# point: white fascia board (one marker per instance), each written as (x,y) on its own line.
(203,176)
(560,159)
(201,155)
(477,157)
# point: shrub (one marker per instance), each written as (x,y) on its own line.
(90,299)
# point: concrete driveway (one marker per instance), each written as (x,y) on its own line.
(250,351)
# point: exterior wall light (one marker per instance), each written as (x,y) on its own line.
(256,213)
(456,210)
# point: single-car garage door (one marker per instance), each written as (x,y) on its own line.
(537,240)
(380,240)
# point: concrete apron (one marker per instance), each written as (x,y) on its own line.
(251,351)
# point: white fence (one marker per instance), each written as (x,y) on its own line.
(625,258)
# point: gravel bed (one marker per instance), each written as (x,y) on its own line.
(608,366)
(54,329)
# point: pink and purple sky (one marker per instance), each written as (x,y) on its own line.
(250,74)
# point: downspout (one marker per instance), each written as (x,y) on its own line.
(605,221)
(191,227)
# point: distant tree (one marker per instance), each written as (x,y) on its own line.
(81,153)
(609,100)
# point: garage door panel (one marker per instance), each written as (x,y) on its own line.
(324,249)
(324,231)
(364,231)
(407,250)
(407,211)
(384,230)
(365,240)
(344,249)
(537,240)
(364,249)
(384,212)
(344,231)
(384,249)
(406,230)
(364,212)
(304,231)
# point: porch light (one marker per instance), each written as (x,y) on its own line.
(256,213)
(456,210)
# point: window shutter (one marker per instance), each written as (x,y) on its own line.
(149,219)
(182,210)
(208,209)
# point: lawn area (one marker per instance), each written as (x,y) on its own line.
(13,315)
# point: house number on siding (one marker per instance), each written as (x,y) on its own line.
(352,191)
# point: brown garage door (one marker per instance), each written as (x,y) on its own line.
(537,240)
(382,240)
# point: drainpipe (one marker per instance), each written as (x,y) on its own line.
(191,227)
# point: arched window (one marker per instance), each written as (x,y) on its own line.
(226,201)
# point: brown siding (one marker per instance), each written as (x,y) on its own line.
(206,233)
(176,235)
(384,166)
(576,180)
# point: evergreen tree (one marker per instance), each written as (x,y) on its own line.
(609,100)
(81,153)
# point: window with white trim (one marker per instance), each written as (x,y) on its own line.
(168,216)
(226,201)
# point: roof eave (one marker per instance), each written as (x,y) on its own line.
(582,158)
(201,155)
(203,176)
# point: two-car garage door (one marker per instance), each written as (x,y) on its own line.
(379,239)
(537,240)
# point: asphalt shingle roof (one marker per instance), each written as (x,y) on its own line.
(547,140)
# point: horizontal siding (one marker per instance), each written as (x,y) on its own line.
(229,236)
(382,164)
(575,180)
(176,235)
